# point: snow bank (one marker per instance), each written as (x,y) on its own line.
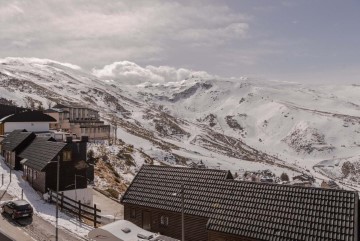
(41,208)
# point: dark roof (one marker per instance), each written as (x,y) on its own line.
(59,106)
(6,110)
(15,138)
(54,110)
(40,152)
(73,105)
(256,210)
(28,116)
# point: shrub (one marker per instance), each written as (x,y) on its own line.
(284,177)
(113,193)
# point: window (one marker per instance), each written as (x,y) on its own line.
(67,156)
(164,220)
(132,213)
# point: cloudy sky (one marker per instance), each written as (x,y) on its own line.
(313,41)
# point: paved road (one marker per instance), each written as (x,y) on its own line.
(4,238)
(29,229)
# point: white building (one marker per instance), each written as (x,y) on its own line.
(32,121)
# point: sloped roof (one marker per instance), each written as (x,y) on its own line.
(55,110)
(248,209)
(6,110)
(73,105)
(59,106)
(41,152)
(28,116)
(15,138)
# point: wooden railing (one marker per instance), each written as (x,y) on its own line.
(79,209)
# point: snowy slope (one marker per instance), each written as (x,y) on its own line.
(231,124)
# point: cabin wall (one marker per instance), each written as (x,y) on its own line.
(36,179)
(67,172)
(2,128)
(195,227)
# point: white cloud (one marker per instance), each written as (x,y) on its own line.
(98,32)
(130,73)
(37,61)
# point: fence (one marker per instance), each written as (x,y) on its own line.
(76,207)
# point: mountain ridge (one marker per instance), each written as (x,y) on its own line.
(227,123)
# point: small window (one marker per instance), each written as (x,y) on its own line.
(67,155)
(132,213)
(164,220)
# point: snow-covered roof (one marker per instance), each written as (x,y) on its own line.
(114,232)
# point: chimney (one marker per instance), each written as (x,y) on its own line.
(69,139)
(84,139)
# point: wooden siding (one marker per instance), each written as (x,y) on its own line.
(195,227)
(2,129)
(216,236)
(67,176)
(36,179)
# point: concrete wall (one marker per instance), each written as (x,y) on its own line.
(84,195)
(29,126)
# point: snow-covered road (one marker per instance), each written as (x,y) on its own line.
(42,209)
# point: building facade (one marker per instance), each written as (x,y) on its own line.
(219,208)
(80,121)
(13,144)
(40,161)
(33,121)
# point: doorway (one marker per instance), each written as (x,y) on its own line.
(146,220)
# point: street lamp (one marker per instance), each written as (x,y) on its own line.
(57,197)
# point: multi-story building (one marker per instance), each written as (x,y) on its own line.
(79,120)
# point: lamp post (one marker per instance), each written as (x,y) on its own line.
(57,197)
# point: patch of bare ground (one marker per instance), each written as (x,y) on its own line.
(107,174)
(210,119)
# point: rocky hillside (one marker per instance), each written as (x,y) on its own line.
(226,123)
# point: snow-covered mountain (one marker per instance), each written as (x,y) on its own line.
(231,124)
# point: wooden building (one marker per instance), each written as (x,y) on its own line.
(219,208)
(40,159)
(13,144)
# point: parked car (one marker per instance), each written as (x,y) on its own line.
(17,209)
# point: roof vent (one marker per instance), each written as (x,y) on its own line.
(126,230)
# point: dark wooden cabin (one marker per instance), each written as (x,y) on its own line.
(40,164)
(218,208)
(13,144)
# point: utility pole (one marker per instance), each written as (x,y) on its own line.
(182,213)
(57,197)
(115,132)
